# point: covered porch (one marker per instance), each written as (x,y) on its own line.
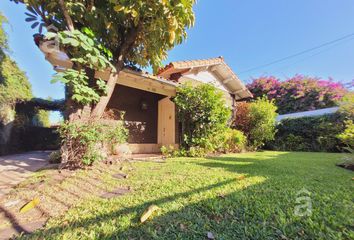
(149,113)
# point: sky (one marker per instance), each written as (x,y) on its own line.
(247,34)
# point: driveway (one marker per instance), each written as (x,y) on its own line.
(16,168)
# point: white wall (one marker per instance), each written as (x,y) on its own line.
(205,77)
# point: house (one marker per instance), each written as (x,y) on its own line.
(150,115)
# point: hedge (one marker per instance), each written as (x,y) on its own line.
(318,134)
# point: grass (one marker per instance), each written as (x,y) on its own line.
(243,196)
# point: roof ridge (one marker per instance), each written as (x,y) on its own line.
(202,59)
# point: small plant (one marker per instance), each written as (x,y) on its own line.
(55,157)
(84,143)
(169,151)
(235,141)
(347,136)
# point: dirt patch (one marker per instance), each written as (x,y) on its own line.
(120,175)
(116,192)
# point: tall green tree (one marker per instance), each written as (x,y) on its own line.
(14,84)
(138,32)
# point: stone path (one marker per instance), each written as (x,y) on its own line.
(16,168)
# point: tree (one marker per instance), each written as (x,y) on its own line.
(14,84)
(111,33)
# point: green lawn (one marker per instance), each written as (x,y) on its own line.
(241,196)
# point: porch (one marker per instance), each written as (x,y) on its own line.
(149,113)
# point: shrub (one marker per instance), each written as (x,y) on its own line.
(55,157)
(346,106)
(203,114)
(299,93)
(256,120)
(317,134)
(262,117)
(86,142)
(242,118)
(294,143)
(347,136)
(235,141)
(169,151)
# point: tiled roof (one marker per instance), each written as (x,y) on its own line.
(191,64)
(225,74)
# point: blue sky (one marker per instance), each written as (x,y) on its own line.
(246,33)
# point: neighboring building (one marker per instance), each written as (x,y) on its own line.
(146,99)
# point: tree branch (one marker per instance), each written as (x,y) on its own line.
(128,42)
(67,17)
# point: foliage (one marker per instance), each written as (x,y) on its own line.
(346,106)
(257,121)
(299,93)
(78,82)
(242,118)
(168,151)
(84,53)
(262,118)
(309,134)
(55,157)
(113,32)
(234,141)
(41,119)
(85,142)
(3,36)
(84,48)
(203,114)
(347,136)
(241,196)
(14,84)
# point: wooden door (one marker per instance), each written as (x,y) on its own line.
(166,129)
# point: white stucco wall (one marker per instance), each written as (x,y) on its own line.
(205,77)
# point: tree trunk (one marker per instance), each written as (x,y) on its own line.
(98,110)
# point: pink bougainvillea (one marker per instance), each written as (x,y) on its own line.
(298,93)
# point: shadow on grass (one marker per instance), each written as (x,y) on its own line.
(263,210)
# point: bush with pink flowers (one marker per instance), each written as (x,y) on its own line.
(299,93)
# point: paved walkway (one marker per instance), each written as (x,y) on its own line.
(16,168)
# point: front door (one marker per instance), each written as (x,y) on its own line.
(166,128)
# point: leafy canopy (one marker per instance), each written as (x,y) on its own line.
(14,84)
(138,31)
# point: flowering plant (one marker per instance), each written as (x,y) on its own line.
(298,93)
